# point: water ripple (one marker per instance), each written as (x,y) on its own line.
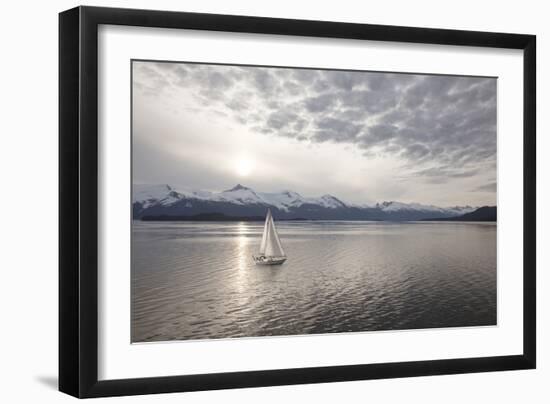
(197,280)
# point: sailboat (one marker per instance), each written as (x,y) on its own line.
(271,250)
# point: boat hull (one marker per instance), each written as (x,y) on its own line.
(260,260)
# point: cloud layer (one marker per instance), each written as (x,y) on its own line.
(439,127)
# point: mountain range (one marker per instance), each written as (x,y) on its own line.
(151,201)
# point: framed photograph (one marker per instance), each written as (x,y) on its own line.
(250,201)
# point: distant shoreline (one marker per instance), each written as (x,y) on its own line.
(483,214)
(209,217)
(202,217)
(220,217)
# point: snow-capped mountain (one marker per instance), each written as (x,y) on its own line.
(393,206)
(284,200)
(164,200)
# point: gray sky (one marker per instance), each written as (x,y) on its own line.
(361,136)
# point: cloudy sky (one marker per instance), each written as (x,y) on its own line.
(363,137)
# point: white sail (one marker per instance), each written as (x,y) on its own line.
(264,236)
(271,245)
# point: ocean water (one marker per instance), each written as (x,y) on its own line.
(194,280)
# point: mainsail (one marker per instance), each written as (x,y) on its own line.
(271,245)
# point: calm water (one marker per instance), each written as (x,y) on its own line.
(198,280)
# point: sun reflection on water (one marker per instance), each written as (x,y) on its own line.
(242,256)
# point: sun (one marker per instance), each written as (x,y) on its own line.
(244,167)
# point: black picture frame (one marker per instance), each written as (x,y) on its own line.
(78,201)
